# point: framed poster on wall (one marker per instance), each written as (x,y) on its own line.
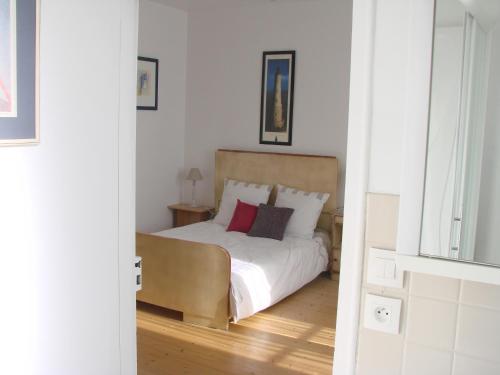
(19,71)
(276,109)
(147,83)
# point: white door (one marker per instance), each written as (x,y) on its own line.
(66,205)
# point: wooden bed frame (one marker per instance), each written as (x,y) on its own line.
(195,278)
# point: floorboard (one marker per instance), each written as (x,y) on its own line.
(295,336)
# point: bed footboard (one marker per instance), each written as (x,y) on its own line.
(190,277)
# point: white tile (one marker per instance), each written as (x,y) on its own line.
(431,322)
(479,332)
(438,287)
(379,353)
(480,294)
(420,360)
(382,212)
(468,366)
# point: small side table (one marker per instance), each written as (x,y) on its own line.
(185,214)
(338,223)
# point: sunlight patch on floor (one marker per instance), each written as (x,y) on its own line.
(291,328)
(295,336)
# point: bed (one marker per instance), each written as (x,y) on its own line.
(212,276)
(263,271)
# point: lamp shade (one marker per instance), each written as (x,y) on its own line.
(194,175)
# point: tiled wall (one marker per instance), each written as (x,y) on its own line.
(448,326)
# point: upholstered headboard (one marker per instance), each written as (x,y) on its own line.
(304,172)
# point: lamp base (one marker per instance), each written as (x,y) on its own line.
(193,195)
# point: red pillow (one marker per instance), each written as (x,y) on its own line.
(243,217)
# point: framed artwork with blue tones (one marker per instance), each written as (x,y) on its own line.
(147,83)
(276,108)
(19,71)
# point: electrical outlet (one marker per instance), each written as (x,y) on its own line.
(382,313)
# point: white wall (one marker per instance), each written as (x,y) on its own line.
(489,204)
(387,101)
(59,203)
(224,80)
(160,134)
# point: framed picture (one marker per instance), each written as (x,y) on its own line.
(19,71)
(276,108)
(147,83)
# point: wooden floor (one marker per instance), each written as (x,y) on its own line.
(293,337)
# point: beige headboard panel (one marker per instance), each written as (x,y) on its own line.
(304,172)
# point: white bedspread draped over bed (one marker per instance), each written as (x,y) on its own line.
(263,271)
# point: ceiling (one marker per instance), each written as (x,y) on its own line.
(196,5)
(487,12)
(452,12)
(449,13)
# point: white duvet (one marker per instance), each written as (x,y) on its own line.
(263,271)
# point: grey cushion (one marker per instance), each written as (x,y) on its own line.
(270,222)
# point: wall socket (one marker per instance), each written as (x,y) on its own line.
(382,314)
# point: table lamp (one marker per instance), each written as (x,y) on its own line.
(194,175)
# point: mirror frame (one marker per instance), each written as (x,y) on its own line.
(414,146)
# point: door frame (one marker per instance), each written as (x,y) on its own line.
(357,176)
(357,168)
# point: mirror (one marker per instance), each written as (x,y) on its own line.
(461,210)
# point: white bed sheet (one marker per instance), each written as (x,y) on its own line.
(263,271)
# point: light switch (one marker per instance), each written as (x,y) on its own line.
(382,269)
(390,270)
(378,267)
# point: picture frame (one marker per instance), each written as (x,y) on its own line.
(147,83)
(276,108)
(19,72)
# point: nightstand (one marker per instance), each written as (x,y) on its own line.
(338,221)
(185,214)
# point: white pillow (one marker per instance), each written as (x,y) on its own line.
(307,208)
(247,192)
